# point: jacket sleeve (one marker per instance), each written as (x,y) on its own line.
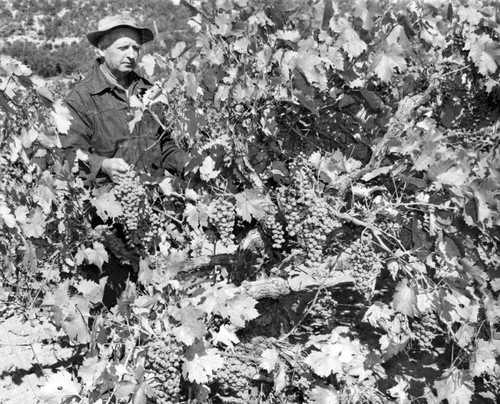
(174,159)
(80,134)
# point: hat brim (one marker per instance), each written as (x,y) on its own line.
(146,34)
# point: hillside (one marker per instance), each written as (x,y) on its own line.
(49,35)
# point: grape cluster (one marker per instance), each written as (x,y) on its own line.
(163,361)
(140,223)
(132,196)
(390,227)
(322,312)
(309,217)
(272,225)
(444,270)
(234,378)
(364,264)
(222,217)
(426,329)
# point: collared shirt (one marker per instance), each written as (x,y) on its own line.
(99,127)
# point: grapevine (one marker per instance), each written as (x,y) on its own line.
(369,127)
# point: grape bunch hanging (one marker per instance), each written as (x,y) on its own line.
(163,363)
(322,312)
(309,217)
(141,224)
(364,264)
(222,216)
(275,229)
(426,329)
(234,378)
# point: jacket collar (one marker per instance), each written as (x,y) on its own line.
(99,83)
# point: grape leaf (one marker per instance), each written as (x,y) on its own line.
(484,358)
(96,255)
(35,224)
(61,117)
(44,196)
(455,387)
(28,137)
(398,36)
(431,33)
(76,328)
(457,307)
(91,290)
(449,173)
(378,315)
(91,370)
(322,395)
(223,24)
(226,335)
(141,394)
(311,64)
(148,63)
(470,15)
(240,309)
(107,207)
(8,218)
(465,335)
(192,215)
(58,297)
(349,39)
(387,61)
(397,337)
(492,305)
(59,386)
(336,357)
(291,35)
(485,53)
(252,204)
(399,390)
(177,49)
(200,368)
(12,66)
(269,359)
(191,325)
(280,377)
(241,45)
(405,299)
(207,169)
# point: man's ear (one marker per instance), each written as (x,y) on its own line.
(100,52)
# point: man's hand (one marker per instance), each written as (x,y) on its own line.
(114,168)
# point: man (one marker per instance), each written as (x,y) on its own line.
(101,111)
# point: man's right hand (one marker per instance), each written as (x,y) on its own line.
(114,168)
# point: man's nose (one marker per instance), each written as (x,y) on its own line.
(131,53)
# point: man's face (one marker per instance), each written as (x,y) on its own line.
(121,50)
